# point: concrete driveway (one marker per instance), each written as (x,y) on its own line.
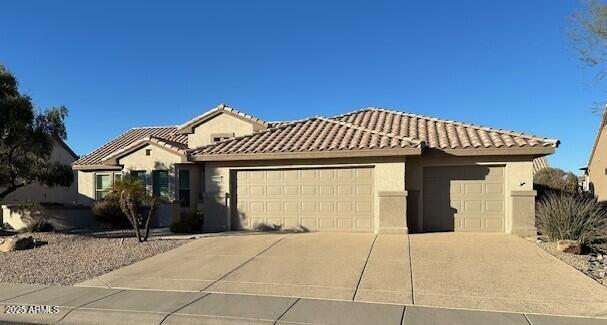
(471,271)
(343,266)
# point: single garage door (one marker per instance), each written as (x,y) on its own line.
(464,198)
(319,199)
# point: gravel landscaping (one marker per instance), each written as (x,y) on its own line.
(593,264)
(67,259)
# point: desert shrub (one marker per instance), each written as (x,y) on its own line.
(189,223)
(572,216)
(108,211)
(556,179)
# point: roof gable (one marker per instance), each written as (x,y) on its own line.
(170,146)
(189,126)
(94,159)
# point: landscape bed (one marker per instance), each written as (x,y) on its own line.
(593,264)
(67,259)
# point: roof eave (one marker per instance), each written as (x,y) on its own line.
(535,151)
(307,155)
(95,167)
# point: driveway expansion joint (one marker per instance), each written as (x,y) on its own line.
(246,262)
(362,273)
(286,311)
(87,303)
(27,293)
(182,307)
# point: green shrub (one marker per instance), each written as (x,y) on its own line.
(108,211)
(556,179)
(572,216)
(189,223)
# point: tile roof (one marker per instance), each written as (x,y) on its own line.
(441,134)
(317,134)
(184,128)
(176,147)
(167,133)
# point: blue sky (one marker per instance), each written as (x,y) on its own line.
(116,65)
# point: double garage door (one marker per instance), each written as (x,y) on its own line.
(314,199)
(464,198)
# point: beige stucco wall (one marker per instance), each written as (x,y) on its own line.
(389,177)
(518,178)
(38,193)
(223,123)
(596,169)
(159,159)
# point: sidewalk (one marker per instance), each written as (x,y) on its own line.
(82,305)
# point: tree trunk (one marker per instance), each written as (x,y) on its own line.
(10,190)
(150,215)
(128,208)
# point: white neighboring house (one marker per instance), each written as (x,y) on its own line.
(41,194)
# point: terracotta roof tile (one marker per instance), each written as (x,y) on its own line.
(167,133)
(312,135)
(441,134)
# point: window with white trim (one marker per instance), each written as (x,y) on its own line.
(103,185)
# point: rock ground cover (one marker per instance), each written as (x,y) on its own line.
(67,259)
(593,264)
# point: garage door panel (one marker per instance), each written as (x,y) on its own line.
(464,198)
(332,199)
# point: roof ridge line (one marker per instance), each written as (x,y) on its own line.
(105,144)
(153,127)
(219,108)
(464,124)
(420,142)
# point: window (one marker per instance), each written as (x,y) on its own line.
(184,187)
(221,136)
(103,185)
(139,174)
(160,183)
(148,152)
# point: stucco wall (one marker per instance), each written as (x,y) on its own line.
(518,177)
(598,165)
(389,177)
(159,159)
(223,123)
(38,193)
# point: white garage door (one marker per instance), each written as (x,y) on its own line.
(464,198)
(319,199)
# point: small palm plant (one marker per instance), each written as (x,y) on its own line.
(130,192)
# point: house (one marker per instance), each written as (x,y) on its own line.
(38,193)
(371,170)
(595,173)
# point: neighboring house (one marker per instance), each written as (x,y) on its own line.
(42,194)
(595,173)
(372,170)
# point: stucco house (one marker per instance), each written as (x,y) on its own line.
(595,173)
(371,170)
(38,193)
